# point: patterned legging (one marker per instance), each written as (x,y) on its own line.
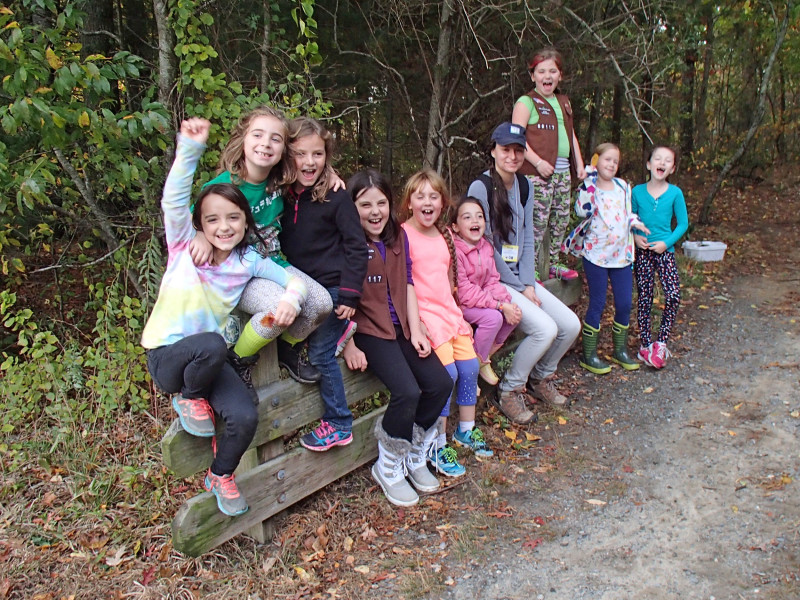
(645,267)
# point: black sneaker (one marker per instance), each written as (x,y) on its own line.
(294,360)
(243,365)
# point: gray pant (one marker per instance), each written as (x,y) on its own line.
(261,297)
(550,330)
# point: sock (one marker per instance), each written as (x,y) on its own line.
(249,342)
(441,440)
(465,426)
(289,339)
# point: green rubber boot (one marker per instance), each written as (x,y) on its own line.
(591,362)
(619,333)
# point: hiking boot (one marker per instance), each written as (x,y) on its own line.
(562,271)
(195,415)
(445,461)
(325,437)
(590,361)
(487,374)
(512,405)
(619,333)
(473,440)
(416,462)
(229,500)
(349,330)
(646,355)
(390,472)
(243,365)
(545,390)
(660,355)
(295,361)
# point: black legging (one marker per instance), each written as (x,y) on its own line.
(419,387)
(197,367)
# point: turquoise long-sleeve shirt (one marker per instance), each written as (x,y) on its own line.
(657,213)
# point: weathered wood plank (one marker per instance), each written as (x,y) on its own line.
(569,292)
(271,488)
(284,406)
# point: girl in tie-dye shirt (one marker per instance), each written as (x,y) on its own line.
(187,355)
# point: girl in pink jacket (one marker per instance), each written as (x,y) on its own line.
(485,302)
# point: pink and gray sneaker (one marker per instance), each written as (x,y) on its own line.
(646,354)
(660,355)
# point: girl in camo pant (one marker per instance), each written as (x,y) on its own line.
(552,158)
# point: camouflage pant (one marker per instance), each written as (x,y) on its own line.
(551,204)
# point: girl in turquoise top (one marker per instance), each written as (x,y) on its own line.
(253,160)
(656,202)
(186,353)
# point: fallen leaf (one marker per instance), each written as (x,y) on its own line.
(348,543)
(703,306)
(363,569)
(267,565)
(538,520)
(510,434)
(148,575)
(608,422)
(562,421)
(596,502)
(648,390)
(531,544)
(116,560)
(302,573)
(627,468)
(531,437)
(731,433)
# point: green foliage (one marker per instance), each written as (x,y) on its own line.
(48,379)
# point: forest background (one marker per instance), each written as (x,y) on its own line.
(92,93)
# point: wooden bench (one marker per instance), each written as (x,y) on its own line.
(271,476)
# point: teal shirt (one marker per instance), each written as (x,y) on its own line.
(657,213)
(267,210)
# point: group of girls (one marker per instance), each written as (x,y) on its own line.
(323,270)
(622,229)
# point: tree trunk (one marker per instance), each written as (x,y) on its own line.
(136,19)
(755,121)
(687,105)
(645,117)
(594,120)
(266,45)
(435,143)
(701,120)
(616,113)
(167,61)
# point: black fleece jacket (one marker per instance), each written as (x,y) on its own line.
(325,240)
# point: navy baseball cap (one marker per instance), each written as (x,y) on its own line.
(509,133)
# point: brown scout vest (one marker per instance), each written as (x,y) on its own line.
(372,314)
(542,136)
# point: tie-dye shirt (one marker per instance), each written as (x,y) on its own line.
(200,299)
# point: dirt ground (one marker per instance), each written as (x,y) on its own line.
(680,483)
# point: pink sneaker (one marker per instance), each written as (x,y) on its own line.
(646,354)
(660,355)
(561,271)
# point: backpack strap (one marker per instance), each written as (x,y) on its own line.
(522,181)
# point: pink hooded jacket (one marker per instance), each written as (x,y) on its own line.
(478,280)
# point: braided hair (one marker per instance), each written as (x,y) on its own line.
(416,182)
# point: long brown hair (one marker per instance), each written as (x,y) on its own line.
(232,159)
(414,183)
(302,127)
(371,178)
(234,195)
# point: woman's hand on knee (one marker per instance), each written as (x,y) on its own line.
(530,294)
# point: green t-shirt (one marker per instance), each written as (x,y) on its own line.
(267,210)
(563,141)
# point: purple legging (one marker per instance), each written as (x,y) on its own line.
(491,328)
(645,267)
